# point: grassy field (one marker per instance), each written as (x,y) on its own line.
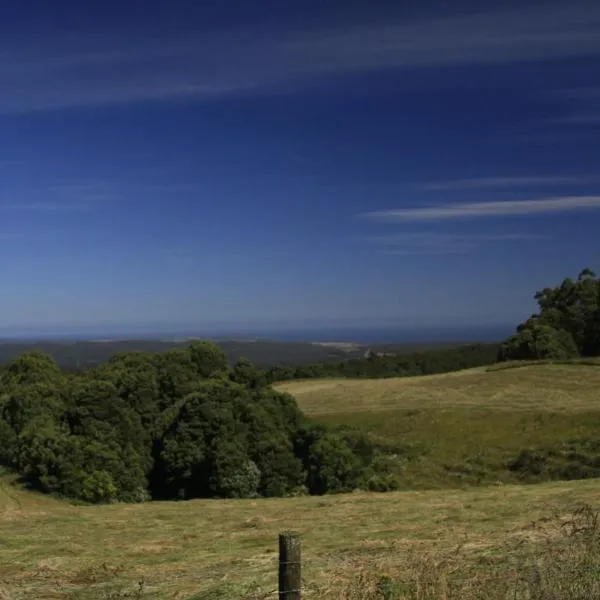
(227,549)
(465,427)
(449,430)
(549,387)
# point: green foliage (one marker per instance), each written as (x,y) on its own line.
(208,358)
(384,483)
(333,467)
(245,373)
(233,475)
(228,441)
(577,459)
(539,342)
(567,325)
(8,444)
(32,368)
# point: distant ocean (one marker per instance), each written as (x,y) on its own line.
(338,333)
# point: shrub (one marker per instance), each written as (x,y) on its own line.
(384,483)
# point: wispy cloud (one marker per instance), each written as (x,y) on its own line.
(584,118)
(582,106)
(71,196)
(9,235)
(101,70)
(49,206)
(503,182)
(487,209)
(170,188)
(435,243)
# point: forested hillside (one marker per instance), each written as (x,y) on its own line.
(79,355)
(424,362)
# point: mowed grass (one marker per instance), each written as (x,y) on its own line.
(464,427)
(227,549)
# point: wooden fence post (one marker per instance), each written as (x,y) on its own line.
(290,578)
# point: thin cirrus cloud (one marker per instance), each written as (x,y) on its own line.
(487,209)
(582,106)
(72,196)
(49,206)
(435,243)
(503,182)
(42,74)
(583,118)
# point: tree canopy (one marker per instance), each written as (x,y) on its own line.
(179,424)
(567,324)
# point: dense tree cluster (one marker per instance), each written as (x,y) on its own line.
(180,424)
(426,362)
(566,326)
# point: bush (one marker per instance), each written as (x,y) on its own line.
(384,483)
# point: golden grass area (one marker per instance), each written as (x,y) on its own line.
(549,387)
(225,549)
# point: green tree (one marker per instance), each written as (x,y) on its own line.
(185,454)
(177,376)
(134,375)
(232,473)
(246,374)
(333,467)
(209,358)
(539,342)
(33,367)
(566,324)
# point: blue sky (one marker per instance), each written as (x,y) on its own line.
(294,162)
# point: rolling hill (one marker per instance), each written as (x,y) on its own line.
(469,427)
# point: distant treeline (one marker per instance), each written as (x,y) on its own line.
(80,355)
(426,362)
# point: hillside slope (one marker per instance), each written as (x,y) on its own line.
(507,423)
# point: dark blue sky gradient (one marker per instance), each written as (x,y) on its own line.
(254,162)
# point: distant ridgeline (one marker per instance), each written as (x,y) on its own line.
(425,362)
(184,423)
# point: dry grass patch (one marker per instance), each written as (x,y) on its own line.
(200,549)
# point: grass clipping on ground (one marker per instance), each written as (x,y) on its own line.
(351,544)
